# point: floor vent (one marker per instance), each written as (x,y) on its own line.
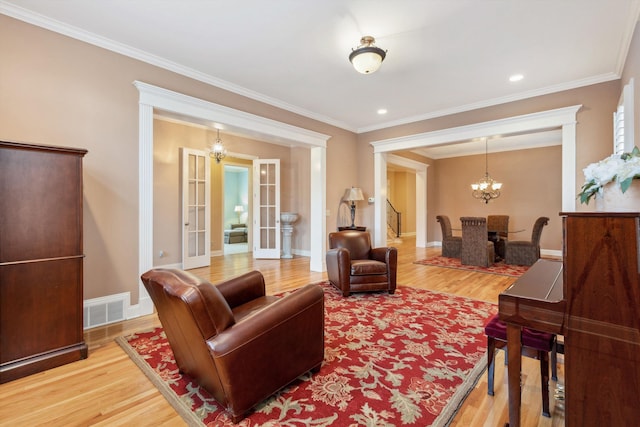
(105,310)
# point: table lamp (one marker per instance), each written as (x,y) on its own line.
(352,195)
(238,210)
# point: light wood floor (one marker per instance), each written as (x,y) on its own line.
(108,389)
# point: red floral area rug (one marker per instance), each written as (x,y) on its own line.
(405,359)
(497,268)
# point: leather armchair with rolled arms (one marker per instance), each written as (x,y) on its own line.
(239,344)
(354,266)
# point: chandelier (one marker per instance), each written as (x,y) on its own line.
(367,57)
(486,188)
(216,149)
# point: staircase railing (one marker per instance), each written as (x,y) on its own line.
(394,219)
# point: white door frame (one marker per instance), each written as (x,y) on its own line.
(564,118)
(154,97)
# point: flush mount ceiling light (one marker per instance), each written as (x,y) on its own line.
(367,57)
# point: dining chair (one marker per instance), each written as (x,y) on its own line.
(522,252)
(476,248)
(451,245)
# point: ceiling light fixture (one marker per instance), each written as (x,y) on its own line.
(367,57)
(217,150)
(516,78)
(486,188)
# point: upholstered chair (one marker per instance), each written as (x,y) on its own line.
(239,344)
(535,344)
(526,252)
(476,248)
(451,245)
(354,266)
(498,226)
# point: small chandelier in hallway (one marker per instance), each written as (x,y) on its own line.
(217,150)
(486,188)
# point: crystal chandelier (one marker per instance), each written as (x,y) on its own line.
(486,188)
(216,149)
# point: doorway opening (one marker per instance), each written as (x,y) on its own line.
(236,209)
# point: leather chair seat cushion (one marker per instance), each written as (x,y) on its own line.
(541,341)
(253,306)
(367,267)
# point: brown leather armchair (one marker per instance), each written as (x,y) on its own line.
(237,343)
(354,266)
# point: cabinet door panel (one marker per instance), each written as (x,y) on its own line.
(40,213)
(41,307)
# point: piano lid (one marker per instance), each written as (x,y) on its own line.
(542,282)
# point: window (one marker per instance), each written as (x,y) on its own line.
(623,126)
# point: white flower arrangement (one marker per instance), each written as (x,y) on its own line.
(620,168)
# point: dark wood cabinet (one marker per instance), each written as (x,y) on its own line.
(41,258)
(602,318)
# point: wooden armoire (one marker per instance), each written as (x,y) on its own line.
(41,258)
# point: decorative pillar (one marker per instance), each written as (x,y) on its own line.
(287,219)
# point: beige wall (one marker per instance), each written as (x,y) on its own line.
(593,135)
(530,190)
(169,137)
(59,91)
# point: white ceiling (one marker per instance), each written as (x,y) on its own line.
(443,56)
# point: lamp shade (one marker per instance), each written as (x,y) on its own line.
(238,209)
(367,58)
(353,194)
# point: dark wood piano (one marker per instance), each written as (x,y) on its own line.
(593,299)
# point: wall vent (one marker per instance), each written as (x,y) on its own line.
(105,310)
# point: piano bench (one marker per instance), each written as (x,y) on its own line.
(535,344)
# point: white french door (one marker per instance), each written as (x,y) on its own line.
(196,208)
(266,208)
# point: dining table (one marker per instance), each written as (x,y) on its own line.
(499,243)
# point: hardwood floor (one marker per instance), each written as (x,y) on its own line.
(108,389)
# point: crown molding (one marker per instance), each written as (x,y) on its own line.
(131,52)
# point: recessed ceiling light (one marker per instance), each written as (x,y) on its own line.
(516,78)
(382,111)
